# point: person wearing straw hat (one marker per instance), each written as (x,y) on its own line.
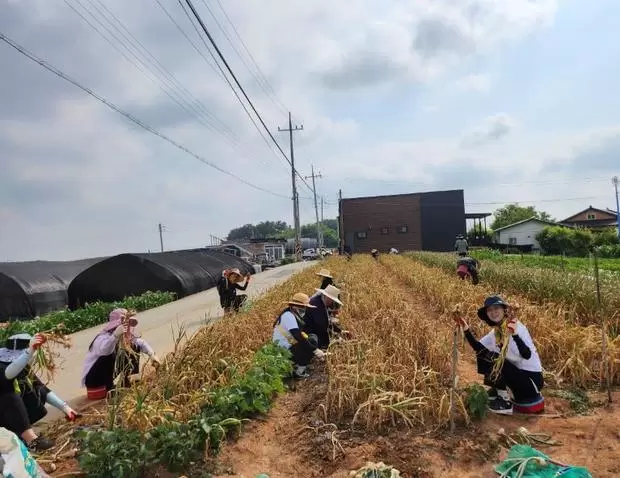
(288,333)
(227,287)
(520,371)
(318,318)
(114,352)
(22,394)
(326,278)
(375,254)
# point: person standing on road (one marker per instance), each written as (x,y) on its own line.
(288,333)
(22,395)
(520,371)
(227,287)
(114,352)
(461,246)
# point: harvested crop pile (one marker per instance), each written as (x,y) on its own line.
(572,352)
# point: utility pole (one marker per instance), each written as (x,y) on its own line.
(290,130)
(322,202)
(339,223)
(161,236)
(316,208)
(614,181)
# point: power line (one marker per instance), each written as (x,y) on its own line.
(169,85)
(219,52)
(258,74)
(127,115)
(225,77)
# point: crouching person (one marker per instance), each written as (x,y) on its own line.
(287,333)
(22,394)
(114,352)
(521,371)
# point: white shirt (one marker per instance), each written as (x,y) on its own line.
(532,364)
(287,322)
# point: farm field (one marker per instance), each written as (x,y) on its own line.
(578,264)
(383,395)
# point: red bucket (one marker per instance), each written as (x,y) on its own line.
(98,393)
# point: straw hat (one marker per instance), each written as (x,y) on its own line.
(331,292)
(325,273)
(302,300)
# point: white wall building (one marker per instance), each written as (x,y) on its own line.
(522,233)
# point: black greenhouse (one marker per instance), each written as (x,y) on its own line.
(28,289)
(182,272)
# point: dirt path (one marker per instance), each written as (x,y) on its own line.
(294,440)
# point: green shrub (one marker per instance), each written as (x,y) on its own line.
(90,315)
(557,240)
(287,260)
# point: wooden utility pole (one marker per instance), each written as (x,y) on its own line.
(322,240)
(297,224)
(319,242)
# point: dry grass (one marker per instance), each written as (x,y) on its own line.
(571,352)
(396,369)
(205,360)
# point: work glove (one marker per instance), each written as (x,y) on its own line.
(512,326)
(120,330)
(318,353)
(37,341)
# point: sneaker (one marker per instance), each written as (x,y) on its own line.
(492,393)
(500,406)
(40,444)
(301,375)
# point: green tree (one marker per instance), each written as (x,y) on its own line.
(512,213)
(280,229)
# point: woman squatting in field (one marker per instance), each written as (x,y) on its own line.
(22,395)
(287,333)
(227,287)
(513,365)
(115,351)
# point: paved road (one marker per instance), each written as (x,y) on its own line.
(156,326)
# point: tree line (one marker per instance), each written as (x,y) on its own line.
(282,230)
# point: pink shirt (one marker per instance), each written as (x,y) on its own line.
(104,344)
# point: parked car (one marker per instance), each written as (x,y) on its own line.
(309,255)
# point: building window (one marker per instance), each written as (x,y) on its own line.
(512,241)
(403,229)
(361,235)
(591,217)
(385,231)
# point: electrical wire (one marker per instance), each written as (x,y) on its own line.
(177,92)
(16,46)
(256,72)
(220,54)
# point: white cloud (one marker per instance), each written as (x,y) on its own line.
(472,82)
(79,180)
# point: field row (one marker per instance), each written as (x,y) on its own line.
(393,372)
(573,295)
(575,264)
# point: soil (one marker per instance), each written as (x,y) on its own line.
(294,440)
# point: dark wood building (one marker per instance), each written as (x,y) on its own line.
(592,218)
(408,222)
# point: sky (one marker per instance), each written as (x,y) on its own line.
(509,100)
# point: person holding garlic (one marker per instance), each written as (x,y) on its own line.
(507,358)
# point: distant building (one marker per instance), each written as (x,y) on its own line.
(418,221)
(254,249)
(522,233)
(592,218)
